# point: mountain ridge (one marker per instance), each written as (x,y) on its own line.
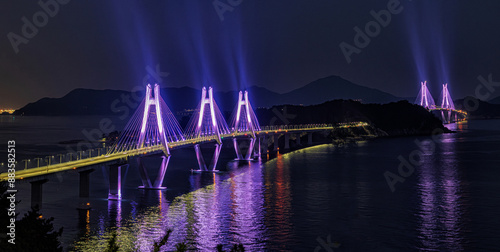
(83,101)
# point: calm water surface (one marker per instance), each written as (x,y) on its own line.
(312,199)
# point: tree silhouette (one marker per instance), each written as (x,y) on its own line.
(35,233)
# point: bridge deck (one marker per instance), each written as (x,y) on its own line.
(48,169)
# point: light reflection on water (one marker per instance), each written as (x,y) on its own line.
(449,203)
(278,201)
(441,213)
(225,212)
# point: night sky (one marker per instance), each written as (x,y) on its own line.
(280,45)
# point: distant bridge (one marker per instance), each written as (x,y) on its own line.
(446,111)
(153,130)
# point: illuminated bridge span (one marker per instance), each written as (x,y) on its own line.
(154,131)
(446,110)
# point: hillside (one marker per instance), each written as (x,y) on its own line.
(495,100)
(479,110)
(396,118)
(108,102)
(334,87)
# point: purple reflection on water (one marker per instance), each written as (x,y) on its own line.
(441,210)
(247,207)
(115,212)
(224,212)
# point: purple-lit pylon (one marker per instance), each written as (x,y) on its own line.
(446,101)
(424,97)
(447,104)
(244,121)
(149,130)
(151,100)
(205,125)
(210,102)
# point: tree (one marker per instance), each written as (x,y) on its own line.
(35,233)
(157,245)
(181,247)
(235,248)
(112,247)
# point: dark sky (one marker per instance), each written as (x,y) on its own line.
(280,45)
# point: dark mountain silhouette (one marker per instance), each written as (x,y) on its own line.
(334,87)
(77,102)
(109,102)
(395,118)
(478,109)
(495,100)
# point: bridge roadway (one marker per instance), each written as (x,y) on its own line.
(464,113)
(45,170)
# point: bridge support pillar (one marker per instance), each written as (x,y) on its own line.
(85,183)
(248,155)
(146,181)
(161,172)
(276,141)
(201,161)
(237,149)
(297,136)
(265,143)
(310,138)
(257,152)
(37,192)
(115,181)
(287,141)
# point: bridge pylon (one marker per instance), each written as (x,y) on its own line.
(424,97)
(446,101)
(149,130)
(447,105)
(207,124)
(244,121)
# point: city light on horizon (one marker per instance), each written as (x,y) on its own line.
(9,111)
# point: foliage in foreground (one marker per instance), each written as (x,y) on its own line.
(179,247)
(33,232)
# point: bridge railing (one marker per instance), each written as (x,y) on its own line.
(99,152)
(295,127)
(55,159)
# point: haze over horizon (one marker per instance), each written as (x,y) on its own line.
(281,46)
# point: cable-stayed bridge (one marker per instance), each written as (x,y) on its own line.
(154,131)
(445,109)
